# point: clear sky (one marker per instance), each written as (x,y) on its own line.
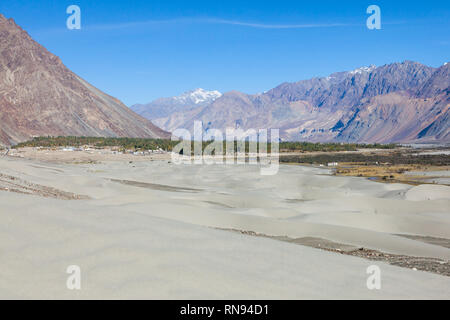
(139,50)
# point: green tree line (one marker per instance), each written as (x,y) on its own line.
(139,144)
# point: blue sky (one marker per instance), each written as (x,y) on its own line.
(139,50)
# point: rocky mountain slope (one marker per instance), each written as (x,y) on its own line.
(399,102)
(39,96)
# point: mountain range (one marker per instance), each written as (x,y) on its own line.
(39,96)
(398,102)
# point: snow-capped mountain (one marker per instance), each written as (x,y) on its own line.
(198,96)
(363,69)
(166,106)
(398,102)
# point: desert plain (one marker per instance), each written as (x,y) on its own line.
(146,228)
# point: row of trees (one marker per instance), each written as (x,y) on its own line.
(99,142)
(168,145)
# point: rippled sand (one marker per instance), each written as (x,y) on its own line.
(160,230)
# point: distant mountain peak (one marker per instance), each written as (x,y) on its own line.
(198,96)
(363,70)
(187,101)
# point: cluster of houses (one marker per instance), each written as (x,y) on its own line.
(113,151)
(333,164)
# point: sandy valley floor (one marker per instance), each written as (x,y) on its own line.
(153,229)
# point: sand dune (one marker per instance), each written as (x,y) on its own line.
(150,230)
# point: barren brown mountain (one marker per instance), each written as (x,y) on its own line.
(398,102)
(39,96)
